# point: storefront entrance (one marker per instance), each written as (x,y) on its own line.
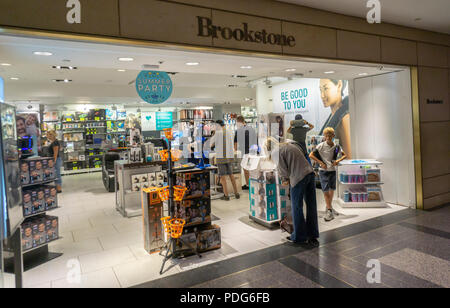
(52,82)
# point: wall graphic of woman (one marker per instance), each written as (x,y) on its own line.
(332,95)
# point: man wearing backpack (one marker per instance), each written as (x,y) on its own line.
(326,154)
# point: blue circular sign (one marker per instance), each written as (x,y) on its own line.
(154,87)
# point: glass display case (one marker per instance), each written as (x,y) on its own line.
(10,188)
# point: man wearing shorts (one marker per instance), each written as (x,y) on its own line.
(326,155)
(223,142)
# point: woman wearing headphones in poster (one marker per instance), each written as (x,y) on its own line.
(332,95)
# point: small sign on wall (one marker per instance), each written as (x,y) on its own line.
(435,102)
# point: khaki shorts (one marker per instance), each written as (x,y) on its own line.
(225,169)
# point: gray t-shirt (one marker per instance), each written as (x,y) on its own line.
(327,153)
(292,163)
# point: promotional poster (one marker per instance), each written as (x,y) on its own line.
(321,102)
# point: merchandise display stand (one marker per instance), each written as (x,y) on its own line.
(359,184)
(38,230)
(269,199)
(128,196)
(176,246)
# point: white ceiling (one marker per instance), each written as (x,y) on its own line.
(434,14)
(97,80)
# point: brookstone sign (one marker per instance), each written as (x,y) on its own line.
(207,29)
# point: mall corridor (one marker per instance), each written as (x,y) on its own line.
(413,248)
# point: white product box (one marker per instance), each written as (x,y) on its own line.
(152,177)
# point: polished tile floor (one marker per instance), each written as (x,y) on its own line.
(406,249)
(109,247)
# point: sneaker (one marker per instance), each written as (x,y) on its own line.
(329,215)
(226,198)
(288,238)
(335,213)
(314,242)
(237,196)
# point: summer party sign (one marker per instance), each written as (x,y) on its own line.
(154,87)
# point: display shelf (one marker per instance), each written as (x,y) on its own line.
(43,245)
(365,183)
(372,204)
(40,213)
(80,171)
(268,224)
(40,183)
(360,162)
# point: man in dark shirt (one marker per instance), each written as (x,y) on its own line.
(299,130)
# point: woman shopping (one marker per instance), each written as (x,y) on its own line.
(54,150)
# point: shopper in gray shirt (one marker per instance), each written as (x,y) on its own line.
(296,171)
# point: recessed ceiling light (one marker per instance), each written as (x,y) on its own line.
(43,53)
(329,72)
(238,76)
(62,80)
(121,70)
(14,78)
(192,63)
(363,74)
(246,67)
(5,64)
(232,86)
(59,67)
(290,70)
(125,59)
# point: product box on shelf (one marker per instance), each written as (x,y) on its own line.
(143,178)
(41,221)
(24,172)
(27,236)
(284,190)
(37,200)
(144,185)
(151,177)
(194,211)
(35,231)
(49,171)
(51,197)
(52,228)
(41,198)
(189,241)
(136,179)
(27,203)
(209,238)
(160,177)
(373,175)
(374,194)
(36,171)
(196,182)
(136,187)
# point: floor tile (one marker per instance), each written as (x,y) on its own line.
(104,259)
(144,270)
(104,278)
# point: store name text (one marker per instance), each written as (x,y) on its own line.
(207,29)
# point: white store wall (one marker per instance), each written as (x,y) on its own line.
(381,126)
